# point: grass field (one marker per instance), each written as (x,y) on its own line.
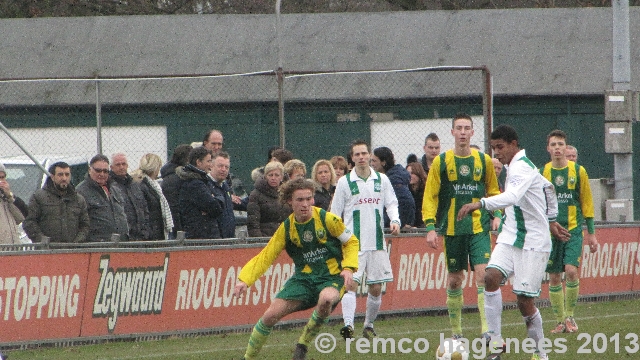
(608,318)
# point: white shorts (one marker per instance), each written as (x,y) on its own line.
(526,266)
(376,265)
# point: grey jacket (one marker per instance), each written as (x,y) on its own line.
(62,216)
(106,214)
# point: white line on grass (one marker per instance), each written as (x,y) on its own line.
(157,355)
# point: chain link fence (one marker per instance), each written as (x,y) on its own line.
(315,115)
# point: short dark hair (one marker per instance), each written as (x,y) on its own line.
(432,136)
(282,155)
(385,154)
(59,164)
(99,157)
(504,132)
(459,116)
(288,188)
(557,133)
(270,152)
(355,143)
(198,153)
(180,155)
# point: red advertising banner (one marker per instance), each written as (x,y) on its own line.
(66,295)
(42,296)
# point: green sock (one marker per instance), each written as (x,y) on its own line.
(454,305)
(556,297)
(258,338)
(312,328)
(573,288)
(483,316)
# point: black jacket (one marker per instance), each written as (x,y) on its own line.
(156,221)
(264,211)
(227,221)
(400,178)
(135,206)
(199,208)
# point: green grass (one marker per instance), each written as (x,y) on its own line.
(609,318)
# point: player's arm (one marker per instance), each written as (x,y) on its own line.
(339,198)
(257,266)
(586,204)
(430,201)
(350,243)
(492,189)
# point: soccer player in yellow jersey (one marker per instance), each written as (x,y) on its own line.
(575,206)
(325,254)
(457,177)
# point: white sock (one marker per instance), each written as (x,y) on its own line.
(348,307)
(493,311)
(373,306)
(534,326)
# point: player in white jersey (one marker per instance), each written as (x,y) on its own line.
(360,199)
(524,243)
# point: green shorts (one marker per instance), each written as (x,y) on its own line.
(464,250)
(566,253)
(307,288)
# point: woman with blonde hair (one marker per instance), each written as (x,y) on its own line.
(325,177)
(160,219)
(264,211)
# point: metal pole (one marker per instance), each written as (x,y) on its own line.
(487,108)
(623,163)
(35,161)
(280,77)
(98,118)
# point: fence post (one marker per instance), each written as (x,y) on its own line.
(280,78)
(98,118)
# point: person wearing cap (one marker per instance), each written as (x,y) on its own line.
(10,215)
(57,210)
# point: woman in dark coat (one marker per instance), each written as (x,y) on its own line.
(382,161)
(264,211)
(160,218)
(325,179)
(416,186)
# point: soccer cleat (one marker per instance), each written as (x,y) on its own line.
(300,353)
(369,333)
(457,336)
(487,338)
(570,324)
(494,357)
(559,329)
(347,332)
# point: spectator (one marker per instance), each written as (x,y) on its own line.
(57,210)
(219,172)
(199,209)
(264,211)
(10,214)
(325,178)
(105,204)
(340,166)
(214,141)
(295,169)
(497,166)
(282,156)
(135,206)
(571,153)
(416,186)
(412,158)
(160,218)
(431,150)
(259,171)
(171,183)
(383,161)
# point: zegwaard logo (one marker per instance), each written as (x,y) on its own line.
(559,180)
(129,291)
(464,170)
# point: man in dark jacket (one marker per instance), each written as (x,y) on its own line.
(135,205)
(104,202)
(199,208)
(219,172)
(57,210)
(171,182)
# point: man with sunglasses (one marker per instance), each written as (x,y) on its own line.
(104,202)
